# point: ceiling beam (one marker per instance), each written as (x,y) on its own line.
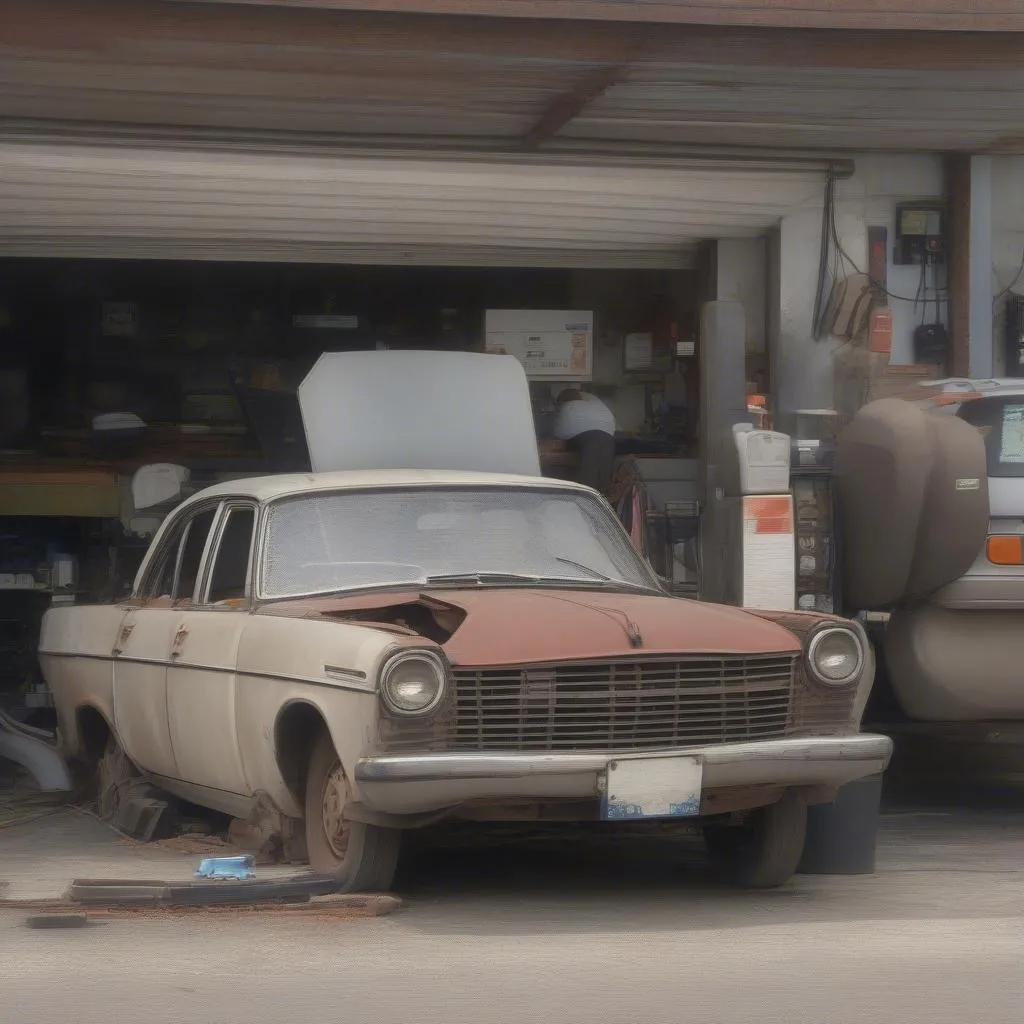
(571,104)
(916,15)
(292,40)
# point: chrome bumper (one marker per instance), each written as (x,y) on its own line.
(412,784)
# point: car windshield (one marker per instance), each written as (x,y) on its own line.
(344,540)
(1001,422)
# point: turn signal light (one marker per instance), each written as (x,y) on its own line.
(1005,550)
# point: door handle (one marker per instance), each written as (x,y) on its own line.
(122,638)
(180,635)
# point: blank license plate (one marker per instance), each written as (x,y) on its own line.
(652,787)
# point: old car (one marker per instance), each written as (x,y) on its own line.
(373,650)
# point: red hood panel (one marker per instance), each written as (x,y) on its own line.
(507,627)
(516,626)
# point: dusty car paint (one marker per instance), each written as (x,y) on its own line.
(201,696)
(513,626)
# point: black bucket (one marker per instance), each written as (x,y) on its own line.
(841,836)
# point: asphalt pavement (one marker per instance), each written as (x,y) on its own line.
(566,930)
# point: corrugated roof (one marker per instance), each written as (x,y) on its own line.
(488,80)
(77,200)
(815,108)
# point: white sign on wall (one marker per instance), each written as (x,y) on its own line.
(552,344)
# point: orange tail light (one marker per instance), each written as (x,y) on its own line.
(1005,550)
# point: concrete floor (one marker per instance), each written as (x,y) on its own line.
(560,931)
(39,858)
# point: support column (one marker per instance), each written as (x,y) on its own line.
(981,342)
(969,185)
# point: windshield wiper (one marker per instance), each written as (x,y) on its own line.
(596,574)
(483,577)
(592,573)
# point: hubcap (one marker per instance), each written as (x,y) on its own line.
(335,799)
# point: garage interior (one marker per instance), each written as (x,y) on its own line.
(113,358)
(180,181)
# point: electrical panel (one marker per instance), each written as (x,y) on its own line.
(920,234)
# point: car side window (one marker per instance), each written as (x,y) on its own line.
(192,546)
(159,580)
(230,575)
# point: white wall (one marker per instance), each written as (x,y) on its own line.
(869,198)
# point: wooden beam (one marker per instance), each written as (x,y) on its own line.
(958,191)
(571,104)
(286,40)
(919,15)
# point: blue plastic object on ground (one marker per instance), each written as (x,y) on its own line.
(242,868)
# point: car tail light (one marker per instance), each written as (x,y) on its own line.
(1005,550)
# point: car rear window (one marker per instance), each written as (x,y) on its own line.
(1001,422)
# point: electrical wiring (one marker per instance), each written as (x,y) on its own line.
(817,319)
(851,263)
(1006,291)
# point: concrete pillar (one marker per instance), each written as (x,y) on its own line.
(741,276)
(981,346)
(802,365)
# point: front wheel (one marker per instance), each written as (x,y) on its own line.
(114,776)
(363,858)
(762,853)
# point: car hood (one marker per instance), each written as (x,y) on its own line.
(508,626)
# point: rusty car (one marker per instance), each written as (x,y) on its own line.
(360,652)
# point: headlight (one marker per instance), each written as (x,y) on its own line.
(835,656)
(412,683)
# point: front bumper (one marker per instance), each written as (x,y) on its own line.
(415,784)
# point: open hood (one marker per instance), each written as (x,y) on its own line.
(419,410)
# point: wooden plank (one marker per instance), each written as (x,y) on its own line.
(940,15)
(314,40)
(75,501)
(20,477)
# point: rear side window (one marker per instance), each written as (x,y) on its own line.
(229,578)
(192,554)
(1001,423)
(177,567)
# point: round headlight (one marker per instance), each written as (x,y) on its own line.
(413,683)
(835,656)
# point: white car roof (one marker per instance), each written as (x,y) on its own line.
(978,385)
(267,488)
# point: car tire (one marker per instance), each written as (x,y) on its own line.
(763,852)
(362,858)
(115,774)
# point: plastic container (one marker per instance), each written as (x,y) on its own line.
(841,836)
(242,868)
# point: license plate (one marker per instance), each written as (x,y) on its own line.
(652,787)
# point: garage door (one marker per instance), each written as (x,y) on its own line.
(160,202)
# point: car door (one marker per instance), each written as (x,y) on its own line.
(201,681)
(144,643)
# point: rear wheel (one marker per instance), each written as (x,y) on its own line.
(764,851)
(363,858)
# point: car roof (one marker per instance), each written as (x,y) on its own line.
(267,488)
(978,385)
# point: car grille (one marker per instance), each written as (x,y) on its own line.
(622,705)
